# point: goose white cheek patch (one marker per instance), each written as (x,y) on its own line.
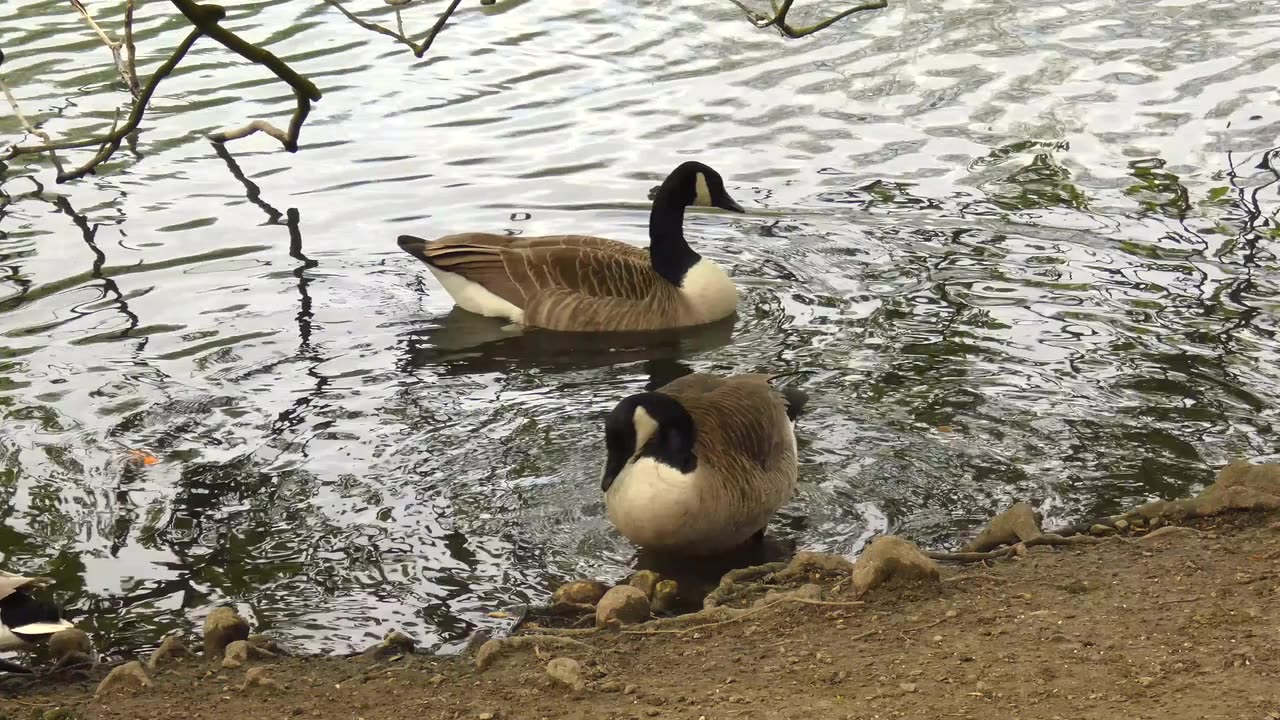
(704,192)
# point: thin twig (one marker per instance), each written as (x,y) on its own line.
(780,12)
(113,138)
(112,44)
(131,50)
(419,49)
(26,124)
(1174,601)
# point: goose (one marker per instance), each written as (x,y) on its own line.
(698,466)
(584,283)
(24,620)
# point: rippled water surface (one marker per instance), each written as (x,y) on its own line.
(1029,250)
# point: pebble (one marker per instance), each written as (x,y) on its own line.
(908,687)
(630,690)
(1122,525)
(951,613)
(1101,529)
(937,638)
(484,716)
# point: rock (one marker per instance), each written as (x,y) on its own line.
(1101,530)
(1122,525)
(1169,532)
(222,627)
(258,677)
(241,652)
(57,714)
(567,672)
(580,592)
(629,690)
(263,642)
(908,687)
(809,591)
(171,649)
(68,642)
(393,643)
(623,604)
(1017,524)
(807,564)
(665,597)
(645,581)
(892,558)
(1239,486)
(124,677)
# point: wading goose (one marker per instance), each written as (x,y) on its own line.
(700,465)
(24,620)
(583,283)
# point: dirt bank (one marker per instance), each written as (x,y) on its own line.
(1183,622)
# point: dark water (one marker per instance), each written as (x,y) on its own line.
(1029,250)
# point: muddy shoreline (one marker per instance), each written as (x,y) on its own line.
(1167,611)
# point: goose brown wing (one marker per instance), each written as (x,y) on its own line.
(518,269)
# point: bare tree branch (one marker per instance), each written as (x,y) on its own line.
(419,49)
(206,18)
(110,142)
(130,78)
(780,12)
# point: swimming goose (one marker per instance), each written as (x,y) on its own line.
(700,465)
(583,283)
(25,620)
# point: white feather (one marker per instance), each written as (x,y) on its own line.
(651,503)
(709,290)
(474,297)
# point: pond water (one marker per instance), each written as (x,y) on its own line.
(1028,250)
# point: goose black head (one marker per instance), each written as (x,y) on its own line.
(648,425)
(694,183)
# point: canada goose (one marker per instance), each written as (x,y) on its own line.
(583,283)
(700,465)
(25,620)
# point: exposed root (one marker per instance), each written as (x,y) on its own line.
(1018,549)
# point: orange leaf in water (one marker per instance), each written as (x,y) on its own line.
(144,457)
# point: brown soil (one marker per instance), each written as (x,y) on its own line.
(1184,625)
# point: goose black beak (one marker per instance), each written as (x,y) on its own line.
(731,205)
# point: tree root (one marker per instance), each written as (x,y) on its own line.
(1017,549)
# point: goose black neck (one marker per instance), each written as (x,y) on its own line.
(669,253)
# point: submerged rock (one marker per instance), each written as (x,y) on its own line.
(580,592)
(624,605)
(892,558)
(129,676)
(222,627)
